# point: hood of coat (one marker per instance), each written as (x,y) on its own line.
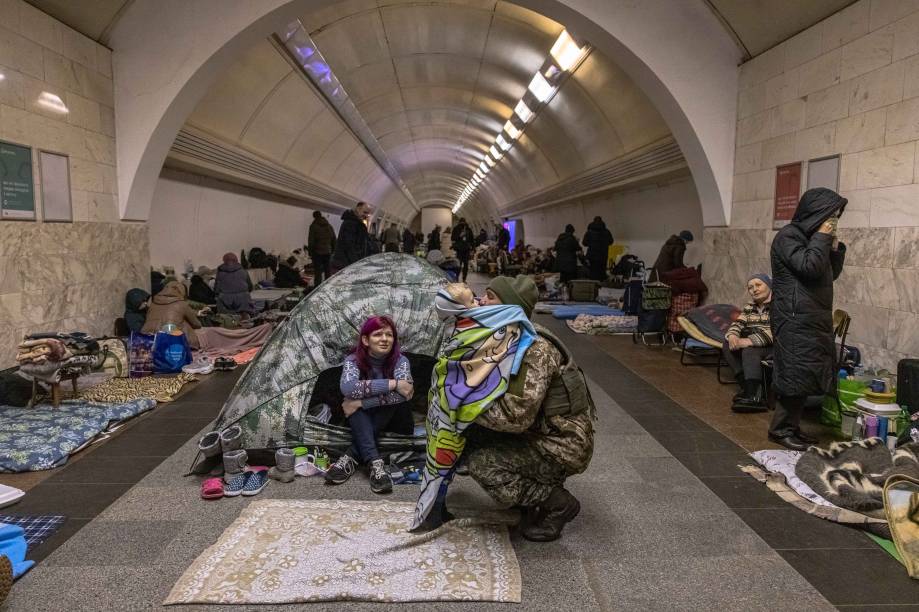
(233,266)
(815,207)
(173,292)
(596,226)
(350,216)
(321,221)
(135,298)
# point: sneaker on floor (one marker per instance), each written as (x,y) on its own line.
(235,485)
(201,365)
(340,471)
(380,480)
(224,364)
(255,482)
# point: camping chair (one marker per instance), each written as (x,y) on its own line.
(701,349)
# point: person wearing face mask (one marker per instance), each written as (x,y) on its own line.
(747,342)
(376,382)
(806,259)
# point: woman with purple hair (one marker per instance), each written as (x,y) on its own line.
(376,381)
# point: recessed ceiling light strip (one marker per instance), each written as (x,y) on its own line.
(304,53)
(565,57)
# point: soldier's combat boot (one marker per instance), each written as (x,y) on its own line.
(559,509)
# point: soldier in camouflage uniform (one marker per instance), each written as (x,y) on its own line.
(519,454)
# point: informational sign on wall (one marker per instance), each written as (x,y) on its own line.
(17,191)
(787,193)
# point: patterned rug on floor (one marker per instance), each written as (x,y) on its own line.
(290,551)
(160,388)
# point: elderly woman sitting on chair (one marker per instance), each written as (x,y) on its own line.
(747,342)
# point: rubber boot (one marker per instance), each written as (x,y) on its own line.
(558,510)
(283,471)
(752,399)
(234,463)
(231,438)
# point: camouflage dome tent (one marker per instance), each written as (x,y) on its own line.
(272,398)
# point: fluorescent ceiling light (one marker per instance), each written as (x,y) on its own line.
(52,102)
(540,87)
(523,111)
(566,52)
(490,161)
(2,76)
(495,153)
(505,145)
(484,168)
(511,130)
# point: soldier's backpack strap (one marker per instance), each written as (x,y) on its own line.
(568,393)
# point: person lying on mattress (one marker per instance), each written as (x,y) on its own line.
(747,342)
(376,382)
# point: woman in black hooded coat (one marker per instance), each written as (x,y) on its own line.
(597,240)
(566,254)
(806,259)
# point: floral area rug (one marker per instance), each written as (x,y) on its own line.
(289,551)
(160,388)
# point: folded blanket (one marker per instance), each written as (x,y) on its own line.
(851,475)
(220,342)
(485,348)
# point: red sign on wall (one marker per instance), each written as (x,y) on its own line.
(787,193)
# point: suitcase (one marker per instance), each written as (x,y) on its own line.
(583,290)
(631,299)
(908,384)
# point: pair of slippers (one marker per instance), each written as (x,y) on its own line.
(247,483)
(224,364)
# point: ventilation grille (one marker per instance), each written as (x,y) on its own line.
(240,163)
(657,159)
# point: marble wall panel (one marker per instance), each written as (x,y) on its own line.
(748,159)
(903,122)
(804,47)
(884,12)
(827,105)
(869,247)
(869,323)
(878,357)
(847,25)
(867,53)
(887,167)
(907,282)
(911,83)
(906,248)
(903,333)
(751,101)
(820,73)
(788,117)
(895,206)
(782,88)
(814,142)
(876,89)
(778,151)
(906,37)
(861,132)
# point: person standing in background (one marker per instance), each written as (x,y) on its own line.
(566,254)
(408,241)
(597,240)
(321,245)
(391,239)
(353,242)
(671,254)
(463,240)
(806,259)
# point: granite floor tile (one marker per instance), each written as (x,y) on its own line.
(855,576)
(107,470)
(789,528)
(116,543)
(69,499)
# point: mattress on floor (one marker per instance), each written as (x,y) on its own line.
(43,437)
(597,310)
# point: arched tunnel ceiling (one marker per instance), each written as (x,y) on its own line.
(435,80)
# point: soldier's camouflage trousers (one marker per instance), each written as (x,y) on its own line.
(511,470)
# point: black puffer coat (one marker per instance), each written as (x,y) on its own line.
(804,266)
(566,253)
(597,240)
(353,242)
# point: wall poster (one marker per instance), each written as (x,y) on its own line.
(787,193)
(17,191)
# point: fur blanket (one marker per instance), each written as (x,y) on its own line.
(851,475)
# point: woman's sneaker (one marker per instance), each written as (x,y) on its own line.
(380,480)
(340,471)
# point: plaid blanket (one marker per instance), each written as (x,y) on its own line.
(37,528)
